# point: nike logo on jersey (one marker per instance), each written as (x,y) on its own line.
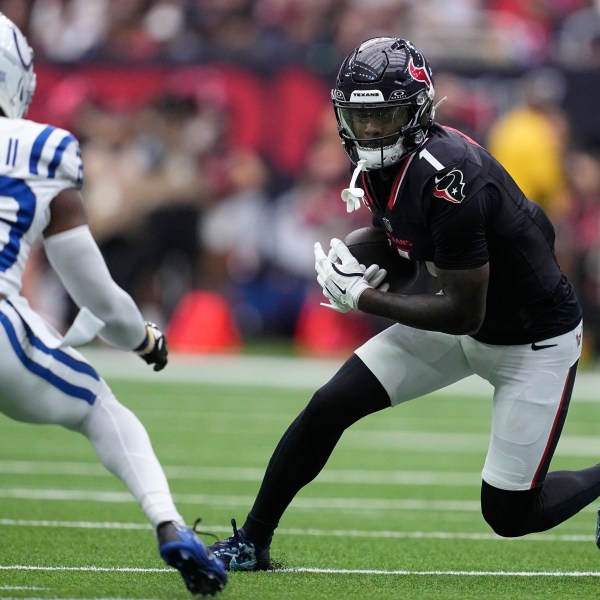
(535,346)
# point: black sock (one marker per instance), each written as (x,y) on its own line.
(305,447)
(257,531)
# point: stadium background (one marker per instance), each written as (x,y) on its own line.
(212,163)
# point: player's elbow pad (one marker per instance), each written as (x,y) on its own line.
(77,260)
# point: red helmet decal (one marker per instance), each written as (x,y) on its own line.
(419,74)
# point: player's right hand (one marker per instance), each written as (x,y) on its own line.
(342,277)
(153,349)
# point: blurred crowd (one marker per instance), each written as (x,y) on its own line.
(316,33)
(211,156)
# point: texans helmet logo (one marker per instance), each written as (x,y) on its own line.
(419,74)
(450,187)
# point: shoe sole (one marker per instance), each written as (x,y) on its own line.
(200,574)
(250,565)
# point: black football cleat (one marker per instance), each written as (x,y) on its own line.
(238,553)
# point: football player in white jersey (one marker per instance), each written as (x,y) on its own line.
(42,378)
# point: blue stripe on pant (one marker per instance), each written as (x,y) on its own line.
(58,355)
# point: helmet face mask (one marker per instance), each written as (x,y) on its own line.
(372,125)
(17,78)
(383,101)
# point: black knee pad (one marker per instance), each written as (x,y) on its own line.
(509,513)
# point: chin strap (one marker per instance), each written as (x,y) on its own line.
(437,104)
(353,195)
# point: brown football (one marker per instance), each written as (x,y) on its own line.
(370,245)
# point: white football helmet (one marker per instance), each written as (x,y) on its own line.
(17,79)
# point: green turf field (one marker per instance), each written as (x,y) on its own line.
(395,514)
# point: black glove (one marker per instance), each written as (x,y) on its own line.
(154,348)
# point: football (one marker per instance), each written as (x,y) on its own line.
(370,245)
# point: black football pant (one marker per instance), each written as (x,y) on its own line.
(354,393)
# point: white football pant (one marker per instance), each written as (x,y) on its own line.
(532,386)
(58,386)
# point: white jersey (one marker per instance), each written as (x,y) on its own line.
(37,162)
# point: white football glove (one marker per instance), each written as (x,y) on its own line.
(333,303)
(373,275)
(342,278)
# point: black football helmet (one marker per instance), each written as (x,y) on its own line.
(383,101)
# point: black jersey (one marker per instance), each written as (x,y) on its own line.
(453,204)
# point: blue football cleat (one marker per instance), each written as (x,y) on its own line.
(180,548)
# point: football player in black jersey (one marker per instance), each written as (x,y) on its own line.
(505,311)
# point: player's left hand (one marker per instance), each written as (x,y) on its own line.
(342,278)
(154,348)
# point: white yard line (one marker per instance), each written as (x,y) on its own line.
(324,571)
(348,504)
(364,477)
(21,587)
(303,503)
(312,532)
(90,568)
(450,573)
(285,372)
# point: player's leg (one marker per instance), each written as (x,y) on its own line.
(562,495)
(532,394)
(124,448)
(299,457)
(58,386)
(399,364)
